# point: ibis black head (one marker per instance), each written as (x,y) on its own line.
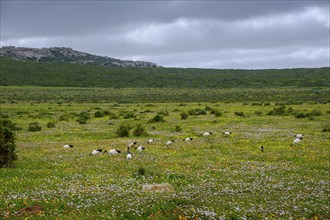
(71,146)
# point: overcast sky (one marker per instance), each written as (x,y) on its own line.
(204,34)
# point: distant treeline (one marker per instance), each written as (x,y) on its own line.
(31,73)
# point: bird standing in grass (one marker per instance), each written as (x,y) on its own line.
(139,148)
(205,134)
(262,148)
(94,152)
(112,152)
(150,141)
(68,146)
(170,142)
(296,141)
(188,139)
(129,154)
(227,133)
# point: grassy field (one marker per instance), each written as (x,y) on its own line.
(214,177)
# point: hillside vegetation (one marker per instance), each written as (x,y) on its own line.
(30,73)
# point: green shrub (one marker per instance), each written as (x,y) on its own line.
(183,115)
(123,130)
(113,116)
(217,113)
(301,115)
(157,118)
(128,115)
(7,145)
(196,111)
(177,128)
(83,117)
(139,131)
(241,114)
(99,114)
(34,126)
(315,112)
(9,124)
(326,128)
(278,111)
(51,125)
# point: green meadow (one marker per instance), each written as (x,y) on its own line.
(214,177)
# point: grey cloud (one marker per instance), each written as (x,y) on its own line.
(179,30)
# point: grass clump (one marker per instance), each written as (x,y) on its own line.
(34,126)
(123,130)
(157,118)
(139,131)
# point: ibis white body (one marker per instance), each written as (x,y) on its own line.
(297,141)
(95,152)
(140,148)
(205,134)
(227,133)
(170,142)
(150,141)
(68,146)
(129,156)
(300,136)
(112,152)
(188,139)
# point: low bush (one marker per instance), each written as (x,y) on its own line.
(183,115)
(241,114)
(196,111)
(7,145)
(51,125)
(157,118)
(123,130)
(34,126)
(139,131)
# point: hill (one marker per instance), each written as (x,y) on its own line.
(67,55)
(31,73)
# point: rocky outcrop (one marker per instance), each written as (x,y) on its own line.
(67,55)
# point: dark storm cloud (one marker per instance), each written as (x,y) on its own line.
(208,34)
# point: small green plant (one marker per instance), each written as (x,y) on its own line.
(196,111)
(99,114)
(157,118)
(7,145)
(123,130)
(183,115)
(139,131)
(83,117)
(278,111)
(241,114)
(34,126)
(141,171)
(113,116)
(177,128)
(128,115)
(326,128)
(51,125)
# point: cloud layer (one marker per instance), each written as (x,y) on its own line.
(203,34)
